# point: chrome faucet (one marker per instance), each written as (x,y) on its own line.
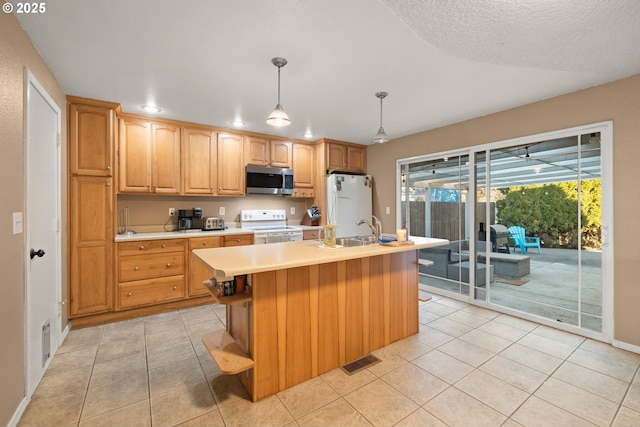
(376,227)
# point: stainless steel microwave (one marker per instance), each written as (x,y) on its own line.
(268,180)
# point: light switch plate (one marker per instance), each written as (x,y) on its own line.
(221,210)
(388,210)
(292,210)
(17,222)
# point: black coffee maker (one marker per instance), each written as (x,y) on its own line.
(189,219)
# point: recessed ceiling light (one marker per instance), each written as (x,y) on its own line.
(151,108)
(237,123)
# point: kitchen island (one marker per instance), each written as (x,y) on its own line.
(309,309)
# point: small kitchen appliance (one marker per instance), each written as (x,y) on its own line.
(269,180)
(189,219)
(212,223)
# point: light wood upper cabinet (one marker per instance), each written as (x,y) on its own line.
(345,157)
(90,245)
(149,155)
(336,156)
(230,171)
(303,165)
(199,161)
(281,153)
(135,156)
(256,151)
(91,136)
(165,158)
(267,152)
(356,159)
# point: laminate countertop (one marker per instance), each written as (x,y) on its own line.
(192,233)
(233,261)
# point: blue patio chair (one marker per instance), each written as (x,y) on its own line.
(519,239)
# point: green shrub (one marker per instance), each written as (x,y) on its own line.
(550,212)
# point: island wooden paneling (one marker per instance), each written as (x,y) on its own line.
(305,321)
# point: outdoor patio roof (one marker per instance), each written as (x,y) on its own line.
(546,162)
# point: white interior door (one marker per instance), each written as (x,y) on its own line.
(43,268)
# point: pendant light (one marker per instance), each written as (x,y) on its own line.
(381,137)
(278,117)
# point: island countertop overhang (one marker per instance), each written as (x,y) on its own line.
(238,260)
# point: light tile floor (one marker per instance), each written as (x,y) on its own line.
(467,366)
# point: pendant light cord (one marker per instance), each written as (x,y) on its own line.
(278,85)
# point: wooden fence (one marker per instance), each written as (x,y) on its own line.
(447,219)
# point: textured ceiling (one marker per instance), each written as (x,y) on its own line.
(441,61)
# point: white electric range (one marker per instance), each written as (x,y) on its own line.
(269,226)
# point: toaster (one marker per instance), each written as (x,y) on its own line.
(212,223)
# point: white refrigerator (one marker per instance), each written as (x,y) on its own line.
(349,200)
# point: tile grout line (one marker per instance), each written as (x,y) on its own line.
(626,393)
(93,365)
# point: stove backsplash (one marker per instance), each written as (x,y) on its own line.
(148,214)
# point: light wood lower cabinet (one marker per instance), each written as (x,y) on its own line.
(198,272)
(151,272)
(90,245)
(312,234)
(238,240)
(151,291)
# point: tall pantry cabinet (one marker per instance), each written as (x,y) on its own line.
(92,133)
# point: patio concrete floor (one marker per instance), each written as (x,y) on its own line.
(550,291)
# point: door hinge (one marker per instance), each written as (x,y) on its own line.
(58,140)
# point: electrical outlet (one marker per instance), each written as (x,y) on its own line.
(292,210)
(172,212)
(388,210)
(221,211)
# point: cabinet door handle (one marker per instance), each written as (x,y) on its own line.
(108,184)
(135,268)
(129,294)
(204,243)
(168,264)
(164,246)
(141,247)
(108,168)
(175,287)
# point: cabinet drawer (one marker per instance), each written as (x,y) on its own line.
(238,240)
(149,266)
(150,291)
(205,242)
(151,246)
(312,234)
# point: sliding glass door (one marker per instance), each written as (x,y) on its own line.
(434,204)
(524,222)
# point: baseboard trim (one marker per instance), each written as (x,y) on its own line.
(626,346)
(116,316)
(13,422)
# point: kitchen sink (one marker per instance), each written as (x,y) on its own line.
(357,241)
